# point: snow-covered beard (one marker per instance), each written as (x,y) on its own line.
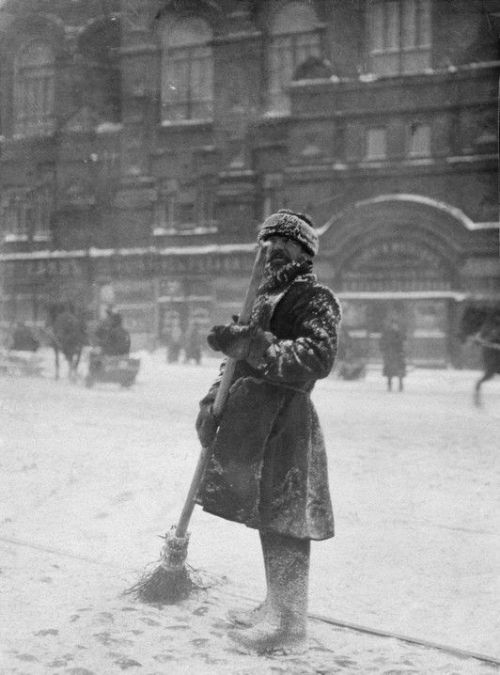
(276,278)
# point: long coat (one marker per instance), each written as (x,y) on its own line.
(268,467)
(393,353)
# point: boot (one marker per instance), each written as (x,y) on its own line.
(285,630)
(249,617)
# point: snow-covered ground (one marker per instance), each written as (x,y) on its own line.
(90,478)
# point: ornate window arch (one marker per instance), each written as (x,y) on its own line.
(187,70)
(294,38)
(34,80)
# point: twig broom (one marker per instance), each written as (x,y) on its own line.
(171,580)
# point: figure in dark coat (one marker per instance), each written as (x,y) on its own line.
(193,344)
(118,339)
(111,336)
(268,467)
(392,347)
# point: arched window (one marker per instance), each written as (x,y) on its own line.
(187,70)
(294,38)
(34,90)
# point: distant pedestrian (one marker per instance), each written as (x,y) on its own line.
(118,339)
(193,344)
(174,342)
(392,347)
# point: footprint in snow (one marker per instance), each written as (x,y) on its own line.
(47,631)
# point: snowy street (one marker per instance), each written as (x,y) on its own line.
(91,477)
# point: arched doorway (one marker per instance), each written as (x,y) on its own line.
(398,257)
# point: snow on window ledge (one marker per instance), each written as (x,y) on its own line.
(185,230)
(186,123)
(108,127)
(11,238)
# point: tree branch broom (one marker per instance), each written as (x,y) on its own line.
(171,580)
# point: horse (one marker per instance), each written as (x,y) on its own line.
(482,324)
(67,335)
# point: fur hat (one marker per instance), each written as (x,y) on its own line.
(295,226)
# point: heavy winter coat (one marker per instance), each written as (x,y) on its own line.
(392,345)
(268,468)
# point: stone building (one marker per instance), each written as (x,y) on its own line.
(143,141)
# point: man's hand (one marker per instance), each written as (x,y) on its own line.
(206,425)
(240,342)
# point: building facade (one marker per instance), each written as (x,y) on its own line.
(142,143)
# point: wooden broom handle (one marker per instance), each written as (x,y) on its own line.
(222,393)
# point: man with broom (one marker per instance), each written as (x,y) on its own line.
(267,466)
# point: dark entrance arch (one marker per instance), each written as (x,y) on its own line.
(399,257)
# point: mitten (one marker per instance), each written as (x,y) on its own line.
(240,342)
(260,342)
(206,425)
(233,340)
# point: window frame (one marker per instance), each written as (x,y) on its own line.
(34,85)
(375,157)
(291,52)
(195,63)
(415,154)
(399,58)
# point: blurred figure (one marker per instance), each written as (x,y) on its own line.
(23,339)
(68,332)
(174,342)
(351,365)
(193,344)
(392,347)
(104,327)
(490,330)
(116,342)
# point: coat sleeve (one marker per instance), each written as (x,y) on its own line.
(310,355)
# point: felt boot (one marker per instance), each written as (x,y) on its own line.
(285,629)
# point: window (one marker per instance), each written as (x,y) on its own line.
(166,208)
(205,202)
(27,213)
(399,36)
(376,144)
(419,140)
(187,71)
(34,90)
(294,38)
(15,214)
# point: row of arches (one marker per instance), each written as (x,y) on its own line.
(40,66)
(185,41)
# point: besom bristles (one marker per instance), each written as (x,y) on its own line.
(163,586)
(171,580)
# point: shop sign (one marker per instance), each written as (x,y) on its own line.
(399,253)
(396,265)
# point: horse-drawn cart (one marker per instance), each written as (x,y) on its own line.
(121,370)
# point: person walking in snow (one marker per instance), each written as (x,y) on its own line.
(392,347)
(268,466)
